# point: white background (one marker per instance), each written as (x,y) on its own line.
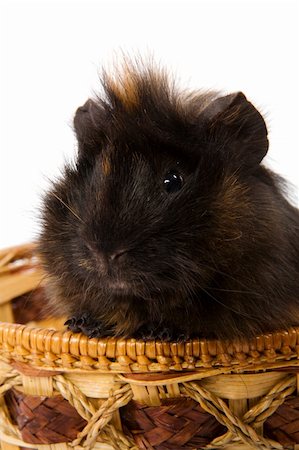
(51,52)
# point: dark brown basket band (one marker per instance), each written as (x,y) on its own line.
(177,424)
(283,425)
(181,424)
(44,420)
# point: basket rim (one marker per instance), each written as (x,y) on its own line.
(36,345)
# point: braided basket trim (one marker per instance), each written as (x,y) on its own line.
(66,350)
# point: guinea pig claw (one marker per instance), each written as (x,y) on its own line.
(97,332)
(149,336)
(182,338)
(165,335)
(152,332)
(145,333)
(83,320)
(75,324)
(72,325)
(92,334)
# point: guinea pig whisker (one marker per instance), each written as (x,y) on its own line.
(231,290)
(205,266)
(68,207)
(228,307)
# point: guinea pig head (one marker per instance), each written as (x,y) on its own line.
(157,199)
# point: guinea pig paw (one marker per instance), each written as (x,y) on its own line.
(95,329)
(154,332)
(181,338)
(72,325)
(169,334)
(145,333)
(80,323)
(96,332)
(165,334)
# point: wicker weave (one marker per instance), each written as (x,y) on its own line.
(61,390)
(42,419)
(175,425)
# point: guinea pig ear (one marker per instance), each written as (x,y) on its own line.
(87,132)
(237,126)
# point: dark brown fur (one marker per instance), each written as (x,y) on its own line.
(217,258)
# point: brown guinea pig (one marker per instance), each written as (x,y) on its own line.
(167,226)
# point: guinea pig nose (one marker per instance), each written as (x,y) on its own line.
(117,255)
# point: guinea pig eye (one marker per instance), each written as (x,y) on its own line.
(172,182)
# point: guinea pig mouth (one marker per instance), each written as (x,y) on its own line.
(122,287)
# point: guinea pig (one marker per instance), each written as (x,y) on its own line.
(167,226)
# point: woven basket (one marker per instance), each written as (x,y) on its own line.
(61,390)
